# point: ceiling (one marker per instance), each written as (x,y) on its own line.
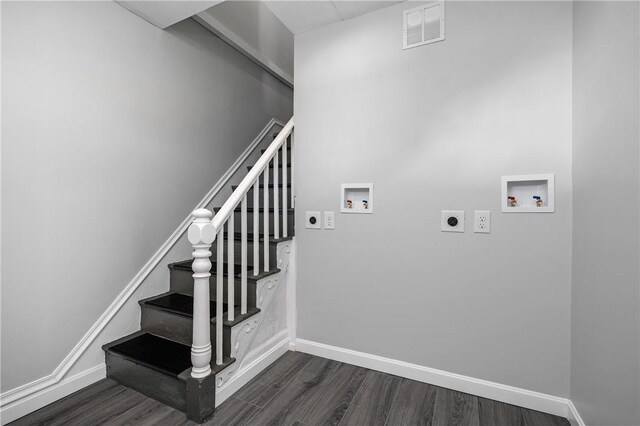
(301,16)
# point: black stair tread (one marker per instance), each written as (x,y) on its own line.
(251,209)
(180,304)
(160,354)
(261,186)
(185,265)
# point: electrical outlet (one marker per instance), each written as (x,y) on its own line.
(452,221)
(482,221)
(329,220)
(314,220)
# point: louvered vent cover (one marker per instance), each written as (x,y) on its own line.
(423,25)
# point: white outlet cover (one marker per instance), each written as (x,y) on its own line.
(482,221)
(329,220)
(318,221)
(444,221)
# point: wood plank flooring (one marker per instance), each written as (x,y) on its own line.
(300,390)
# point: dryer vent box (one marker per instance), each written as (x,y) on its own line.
(423,25)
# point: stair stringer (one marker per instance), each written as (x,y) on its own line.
(243,334)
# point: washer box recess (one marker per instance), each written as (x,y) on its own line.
(356,198)
(528,194)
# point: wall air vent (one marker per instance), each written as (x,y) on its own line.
(423,25)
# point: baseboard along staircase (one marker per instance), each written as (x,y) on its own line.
(191,338)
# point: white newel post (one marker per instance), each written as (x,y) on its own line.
(201,235)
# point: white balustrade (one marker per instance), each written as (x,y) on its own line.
(265,217)
(231,268)
(293,197)
(243,256)
(276,200)
(285,215)
(204,231)
(219,294)
(256,227)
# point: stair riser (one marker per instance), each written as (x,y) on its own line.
(182,282)
(237,253)
(178,327)
(161,387)
(237,224)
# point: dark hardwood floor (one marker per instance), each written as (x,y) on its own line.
(299,389)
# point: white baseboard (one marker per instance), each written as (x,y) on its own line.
(486,389)
(574,416)
(255,361)
(49,394)
(12,396)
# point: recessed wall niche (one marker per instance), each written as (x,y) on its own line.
(356,198)
(528,194)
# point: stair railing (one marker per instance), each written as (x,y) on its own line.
(204,231)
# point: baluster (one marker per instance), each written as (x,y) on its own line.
(285,216)
(265,194)
(231,267)
(256,227)
(219,294)
(276,197)
(243,251)
(201,235)
(293,197)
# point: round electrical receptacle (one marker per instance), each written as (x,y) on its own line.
(313,220)
(452,221)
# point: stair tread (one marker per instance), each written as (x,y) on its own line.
(181,304)
(155,352)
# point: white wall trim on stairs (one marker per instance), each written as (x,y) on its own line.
(51,393)
(14,396)
(253,363)
(483,388)
(574,416)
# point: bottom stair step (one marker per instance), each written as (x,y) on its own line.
(160,354)
(161,369)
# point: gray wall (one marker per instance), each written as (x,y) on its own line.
(434,128)
(112,131)
(605,359)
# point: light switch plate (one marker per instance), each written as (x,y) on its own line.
(329,220)
(482,221)
(314,220)
(452,221)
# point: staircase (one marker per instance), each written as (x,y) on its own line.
(192,337)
